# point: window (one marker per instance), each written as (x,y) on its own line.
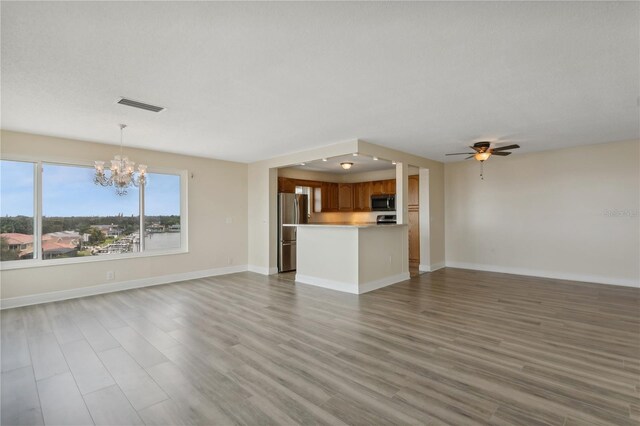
(73,217)
(17,208)
(162,212)
(80,218)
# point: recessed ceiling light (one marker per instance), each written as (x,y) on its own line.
(375,158)
(394,163)
(346,165)
(324,159)
(355,154)
(303,164)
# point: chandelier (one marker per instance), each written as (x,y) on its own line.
(122,175)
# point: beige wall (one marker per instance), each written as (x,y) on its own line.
(217,193)
(548,214)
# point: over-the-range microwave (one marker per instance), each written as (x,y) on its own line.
(383,202)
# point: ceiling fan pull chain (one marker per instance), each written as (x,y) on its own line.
(482,170)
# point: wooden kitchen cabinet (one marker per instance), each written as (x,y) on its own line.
(377,187)
(414,220)
(362,197)
(389,186)
(414,197)
(414,237)
(383,187)
(286,185)
(330,197)
(345,197)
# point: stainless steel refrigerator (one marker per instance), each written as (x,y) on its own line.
(292,209)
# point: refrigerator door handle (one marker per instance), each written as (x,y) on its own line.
(297,217)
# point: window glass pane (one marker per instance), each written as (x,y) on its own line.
(162,212)
(80,218)
(16,210)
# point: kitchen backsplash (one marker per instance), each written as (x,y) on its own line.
(353,217)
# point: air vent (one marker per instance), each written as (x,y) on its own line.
(140,105)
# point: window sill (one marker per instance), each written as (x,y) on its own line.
(39,263)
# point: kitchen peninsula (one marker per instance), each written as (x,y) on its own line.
(354,258)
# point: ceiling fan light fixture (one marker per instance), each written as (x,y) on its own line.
(346,165)
(481,156)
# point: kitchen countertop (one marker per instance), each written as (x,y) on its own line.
(346,225)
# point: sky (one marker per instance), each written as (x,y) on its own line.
(70,191)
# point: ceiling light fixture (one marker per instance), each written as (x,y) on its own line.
(324,159)
(355,154)
(375,158)
(346,165)
(303,164)
(394,163)
(122,171)
(481,156)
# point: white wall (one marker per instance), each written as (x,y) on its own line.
(548,214)
(217,192)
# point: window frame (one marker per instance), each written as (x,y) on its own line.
(38,261)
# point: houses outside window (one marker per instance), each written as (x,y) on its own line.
(17,210)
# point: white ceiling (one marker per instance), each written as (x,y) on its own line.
(248,81)
(361,163)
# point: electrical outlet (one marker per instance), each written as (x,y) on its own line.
(110,275)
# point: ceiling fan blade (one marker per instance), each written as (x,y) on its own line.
(503,148)
(471,156)
(502,154)
(461,153)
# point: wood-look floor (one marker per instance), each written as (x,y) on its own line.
(451,347)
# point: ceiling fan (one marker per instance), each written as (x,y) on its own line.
(483,151)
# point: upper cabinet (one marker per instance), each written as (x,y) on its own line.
(377,187)
(330,195)
(362,197)
(383,187)
(286,185)
(389,186)
(345,197)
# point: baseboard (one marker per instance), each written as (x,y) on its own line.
(595,279)
(262,270)
(386,281)
(351,287)
(437,266)
(55,296)
(431,268)
(325,283)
